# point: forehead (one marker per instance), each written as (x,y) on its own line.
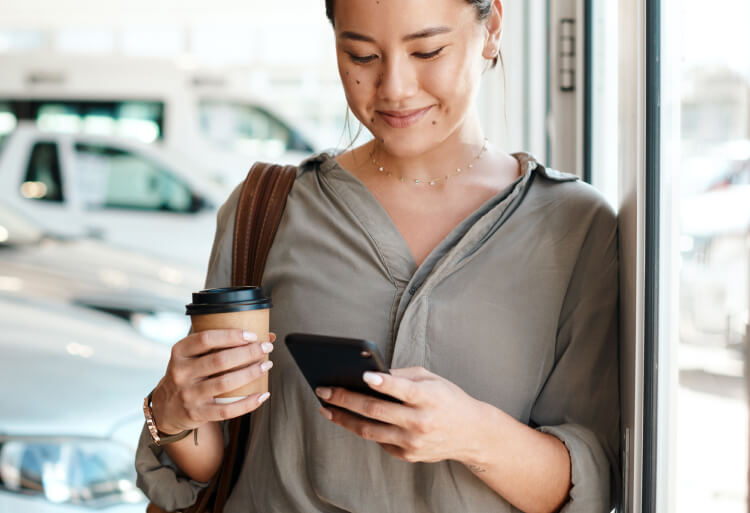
(389,18)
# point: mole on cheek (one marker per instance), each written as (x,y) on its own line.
(357,82)
(434,122)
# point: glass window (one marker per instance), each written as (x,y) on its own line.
(43,179)
(114,178)
(703,225)
(707,85)
(247,129)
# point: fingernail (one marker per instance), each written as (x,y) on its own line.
(267,347)
(326,413)
(323,392)
(266,365)
(249,336)
(263,397)
(372,378)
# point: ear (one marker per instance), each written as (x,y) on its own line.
(494,28)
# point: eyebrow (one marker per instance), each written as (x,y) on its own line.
(429,32)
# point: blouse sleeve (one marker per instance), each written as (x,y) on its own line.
(158,477)
(579,403)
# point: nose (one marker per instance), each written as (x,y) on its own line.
(398,80)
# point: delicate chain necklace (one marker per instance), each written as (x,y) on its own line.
(429,181)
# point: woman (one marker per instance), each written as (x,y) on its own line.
(487,281)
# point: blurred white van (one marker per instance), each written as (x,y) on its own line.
(127,193)
(207,117)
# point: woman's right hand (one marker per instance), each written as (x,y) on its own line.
(184,398)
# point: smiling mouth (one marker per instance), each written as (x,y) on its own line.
(403,118)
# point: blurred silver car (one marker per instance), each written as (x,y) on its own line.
(86,334)
(146,291)
(70,416)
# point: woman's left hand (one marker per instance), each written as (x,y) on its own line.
(437,420)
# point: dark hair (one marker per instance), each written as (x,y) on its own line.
(483,7)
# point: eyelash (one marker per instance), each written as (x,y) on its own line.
(369,58)
(429,55)
(362,60)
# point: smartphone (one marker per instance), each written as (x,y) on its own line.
(337,362)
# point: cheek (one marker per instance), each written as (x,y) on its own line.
(452,83)
(357,82)
(360,90)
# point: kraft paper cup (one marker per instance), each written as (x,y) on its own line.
(244,308)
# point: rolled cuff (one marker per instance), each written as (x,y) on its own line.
(589,469)
(160,479)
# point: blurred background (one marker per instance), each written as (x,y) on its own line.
(125,125)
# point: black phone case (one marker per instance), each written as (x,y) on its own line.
(336,362)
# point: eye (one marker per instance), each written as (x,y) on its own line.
(362,60)
(428,55)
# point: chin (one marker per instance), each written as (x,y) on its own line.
(405,145)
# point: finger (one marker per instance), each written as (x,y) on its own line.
(203,342)
(214,412)
(233,380)
(368,406)
(400,386)
(366,429)
(228,359)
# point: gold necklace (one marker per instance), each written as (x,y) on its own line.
(429,181)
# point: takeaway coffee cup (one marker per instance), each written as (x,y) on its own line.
(245,308)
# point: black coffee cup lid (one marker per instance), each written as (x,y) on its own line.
(228,300)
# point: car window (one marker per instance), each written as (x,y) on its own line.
(247,128)
(137,119)
(110,177)
(43,180)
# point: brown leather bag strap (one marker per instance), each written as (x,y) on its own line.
(231,463)
(259,210)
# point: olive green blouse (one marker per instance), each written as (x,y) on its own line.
(517,306)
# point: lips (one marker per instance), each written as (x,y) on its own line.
(403,118)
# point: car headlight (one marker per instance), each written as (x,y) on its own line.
(87,472)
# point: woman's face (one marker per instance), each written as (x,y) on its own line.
(411,68)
